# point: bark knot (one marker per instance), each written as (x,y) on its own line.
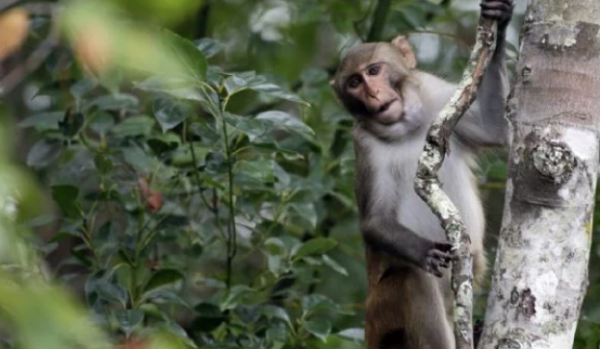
(553,160)
(524,301)
(507,343)
(526,74)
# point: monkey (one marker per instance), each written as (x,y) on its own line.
(409,296)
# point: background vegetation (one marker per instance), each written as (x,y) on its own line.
(179,174)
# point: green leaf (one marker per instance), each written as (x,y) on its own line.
(82,88)
(334,265)
(353,333)
(43,121)
(279,335)
(275,312)
(275,264)
(165,297)
(187,55)
(237,82)
(169,113)
(307,212)
(163,277)
(81,257)
(285,121)
(112,292)
(129,319)
(276,91)
(250,81)
(43,153)
(319,328)
(318,303)
(180,88)
(275,246)
(257,131)
(103,164)
(183,155)
(64,235)
(314,247)
(260,170)
(209,47)
(235,296)
(124,256)
(102,122)
(141,161)
(66,198)
(141,125)
(116,102)
(91,286)
(209,317)
(176,330)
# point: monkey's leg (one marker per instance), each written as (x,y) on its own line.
(405,310)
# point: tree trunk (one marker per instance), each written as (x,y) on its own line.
(540,274)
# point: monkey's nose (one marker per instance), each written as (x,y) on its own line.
(374,95)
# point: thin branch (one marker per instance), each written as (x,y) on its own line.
(35,59)
(203,18)
(428,187)
(379,17)
(454,37)
(429,16)
(5,4)
(40,8)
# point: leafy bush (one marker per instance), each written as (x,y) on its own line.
(201,190)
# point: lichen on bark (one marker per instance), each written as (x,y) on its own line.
(428,187)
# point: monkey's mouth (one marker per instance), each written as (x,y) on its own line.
(385,106)
(388,113)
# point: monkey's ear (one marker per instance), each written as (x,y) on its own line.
(402,44)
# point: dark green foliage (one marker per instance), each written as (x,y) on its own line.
(217,205)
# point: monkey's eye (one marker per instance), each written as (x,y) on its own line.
(354,82)
(374,70)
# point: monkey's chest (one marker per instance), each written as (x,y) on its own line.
(457,182)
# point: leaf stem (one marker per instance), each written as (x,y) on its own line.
(231,226)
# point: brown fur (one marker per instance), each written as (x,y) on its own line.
(407,306)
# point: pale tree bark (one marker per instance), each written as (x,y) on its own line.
(540,273)
(428,186)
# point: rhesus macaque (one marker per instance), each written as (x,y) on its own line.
(409,302)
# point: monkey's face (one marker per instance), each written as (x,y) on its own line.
(373,87)
(373,83)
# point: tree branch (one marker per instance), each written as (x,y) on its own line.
(38,56)
(378,24)
(427,184)
(5,4)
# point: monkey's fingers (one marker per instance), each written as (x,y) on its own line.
(497,4)
(443,246)
(440,255)
(500,10)
(445,261)
(437,260)
(435,271)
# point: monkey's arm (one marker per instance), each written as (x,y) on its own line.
(484,123)
(387,235)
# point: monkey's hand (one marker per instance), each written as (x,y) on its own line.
(438,256)
(499,10)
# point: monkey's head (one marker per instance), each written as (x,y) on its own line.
(372,80)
